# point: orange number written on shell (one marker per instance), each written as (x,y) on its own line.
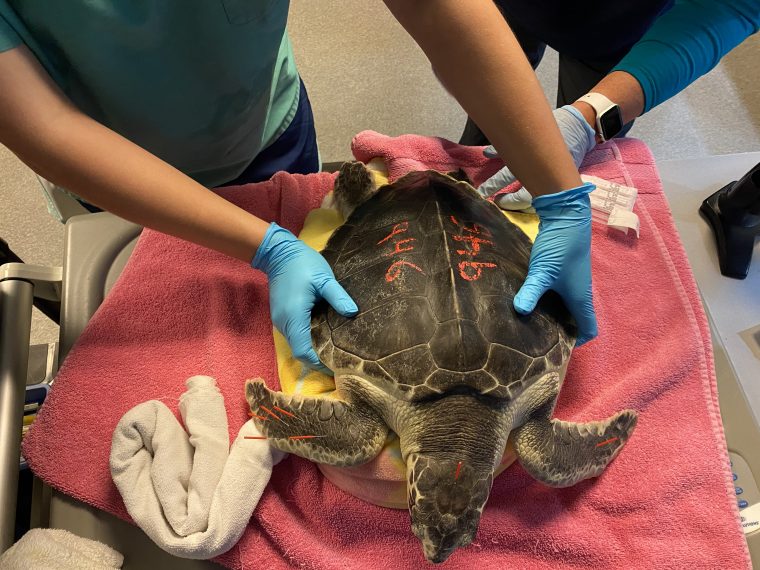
(470,270)
(400,246)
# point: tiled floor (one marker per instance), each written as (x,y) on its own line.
(364,72)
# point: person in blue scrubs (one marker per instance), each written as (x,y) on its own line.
(634,54)
(617,60)
(138,107)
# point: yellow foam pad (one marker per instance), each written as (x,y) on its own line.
(383,480)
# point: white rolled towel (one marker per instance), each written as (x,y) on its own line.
(57,549)
(190,493)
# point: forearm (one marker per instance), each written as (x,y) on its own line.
(621,88)
(685,43)
(65,146)
(478,59)
(682,45)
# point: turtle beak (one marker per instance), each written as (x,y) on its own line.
(437,548)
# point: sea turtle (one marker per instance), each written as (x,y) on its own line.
(438,355)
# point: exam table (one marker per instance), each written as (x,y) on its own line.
(98,245)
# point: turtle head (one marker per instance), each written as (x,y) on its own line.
(451,446)
(446,499)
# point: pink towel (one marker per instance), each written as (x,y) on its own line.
(666,501)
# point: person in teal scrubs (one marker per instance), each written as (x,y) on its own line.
(139,107)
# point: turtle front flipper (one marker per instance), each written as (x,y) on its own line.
(321,429)
(560,454)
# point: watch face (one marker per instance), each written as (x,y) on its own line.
(611,122)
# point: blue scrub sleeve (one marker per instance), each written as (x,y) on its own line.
(8,37)
(686,42)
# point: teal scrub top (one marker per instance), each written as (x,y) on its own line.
(203,84)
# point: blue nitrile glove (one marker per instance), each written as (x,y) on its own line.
(579,137)
(298,278)
(561,258)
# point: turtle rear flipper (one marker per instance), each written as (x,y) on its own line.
(353,186)
(460,175)
(560,454)
(321,429)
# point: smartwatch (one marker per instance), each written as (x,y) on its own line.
(609,120)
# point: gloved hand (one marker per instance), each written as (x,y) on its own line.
(579,137)
(561,258)
(298,277)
